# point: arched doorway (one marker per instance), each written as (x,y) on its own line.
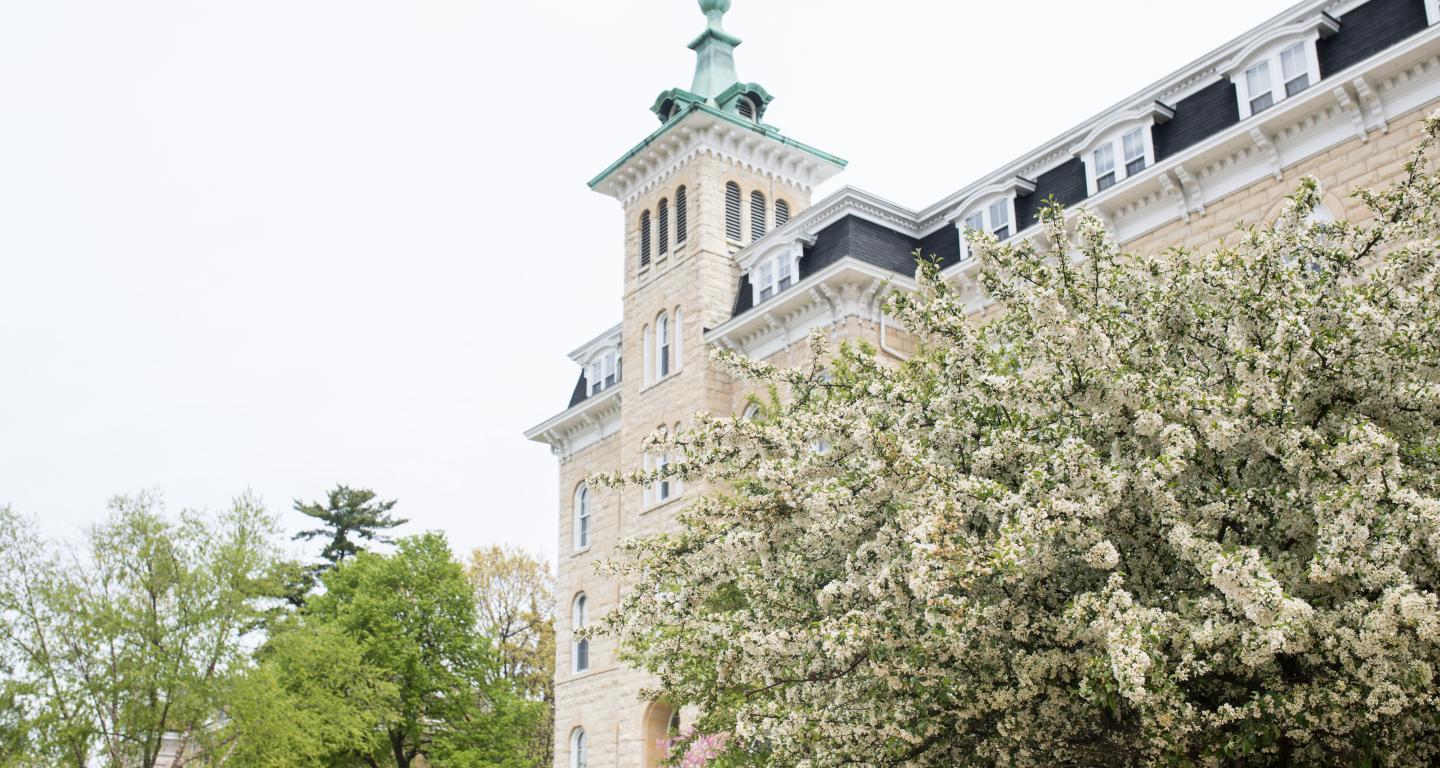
(662,722)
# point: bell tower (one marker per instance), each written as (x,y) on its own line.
(714,177)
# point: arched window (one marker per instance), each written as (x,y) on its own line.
(662,724)
(664,233)
(579,646)
(757,214)
(662,346)
(663,488)
(732,212)
(679,336)
(782,213)
(582,517)
(577,748)
(680,216)
(645,239)
(751,412)
(648,374)
(745,107)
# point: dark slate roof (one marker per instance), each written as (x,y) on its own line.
(1369,29)
(869,242)
(1198,116)
(582,391)
(1065,181)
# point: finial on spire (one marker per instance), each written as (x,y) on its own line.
(714,53)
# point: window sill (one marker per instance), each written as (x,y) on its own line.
(663,504)
(660,381)
(585,550)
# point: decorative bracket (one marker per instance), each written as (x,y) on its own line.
(1176,195)
(1192,189)
(1371,100)
(1265,145)
(1349,107)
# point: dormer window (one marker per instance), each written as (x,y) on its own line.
(1270,71)
(773,275)
(1122,147)
(603,372)
(994,218)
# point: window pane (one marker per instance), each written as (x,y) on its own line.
(1002,233)
(1261,103)
(999,214)
(1257,81)
(1297,85)
(1104,160)
(1105,182)
(975,221)
(784,282)
(766,292)
(1292,62)
(1134,145)
(1134,166)
(582,655)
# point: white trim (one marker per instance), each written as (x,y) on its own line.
(579,748)
(1267,62)
(1432,11)
(582,530)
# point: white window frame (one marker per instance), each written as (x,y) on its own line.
(1432,11)
(769,274)
(578,757)
(583,534)
(984,211)
(664,362)
(1114,143)
(1270,58)
(579,619)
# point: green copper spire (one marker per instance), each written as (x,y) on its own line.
(714,53)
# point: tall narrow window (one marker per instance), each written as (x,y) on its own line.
(577,748)
(612,369)
(662,347)
(732,212)
(976,221)
(582,517)
(679,332)
(647,357)
(1134,146)
(664,233)
(1104,167)
(593,376)
(764,278)
(645,239)
(580,645)
(783,270)
(1295,69)
(757,214)
(1257,84)
(662,490)
(680,216)
(1000,218)
(782,213)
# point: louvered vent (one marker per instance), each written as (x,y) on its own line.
(746,108)
(732,211)
(782,213)
(757,215)
(680,215)
(664,232)
(645,239)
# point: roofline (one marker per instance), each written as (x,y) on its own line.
(598,339)
(589,403)
(1158,90)
(694,107)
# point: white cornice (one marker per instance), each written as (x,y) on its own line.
(607,340)
(808,223)
(1166,90)
(847,288)
(578,427)
(700,133)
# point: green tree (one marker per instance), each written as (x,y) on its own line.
(1176,509)
(515,592)
(403,628)
(347,515)
(111,648)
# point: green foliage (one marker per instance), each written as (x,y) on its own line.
(388,663)
(136,636)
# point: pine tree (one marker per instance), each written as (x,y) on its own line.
(348,515)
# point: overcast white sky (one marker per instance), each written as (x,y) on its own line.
(280,244)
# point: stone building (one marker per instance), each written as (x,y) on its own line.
(725,247)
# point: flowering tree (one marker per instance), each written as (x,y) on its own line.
(1164,509)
